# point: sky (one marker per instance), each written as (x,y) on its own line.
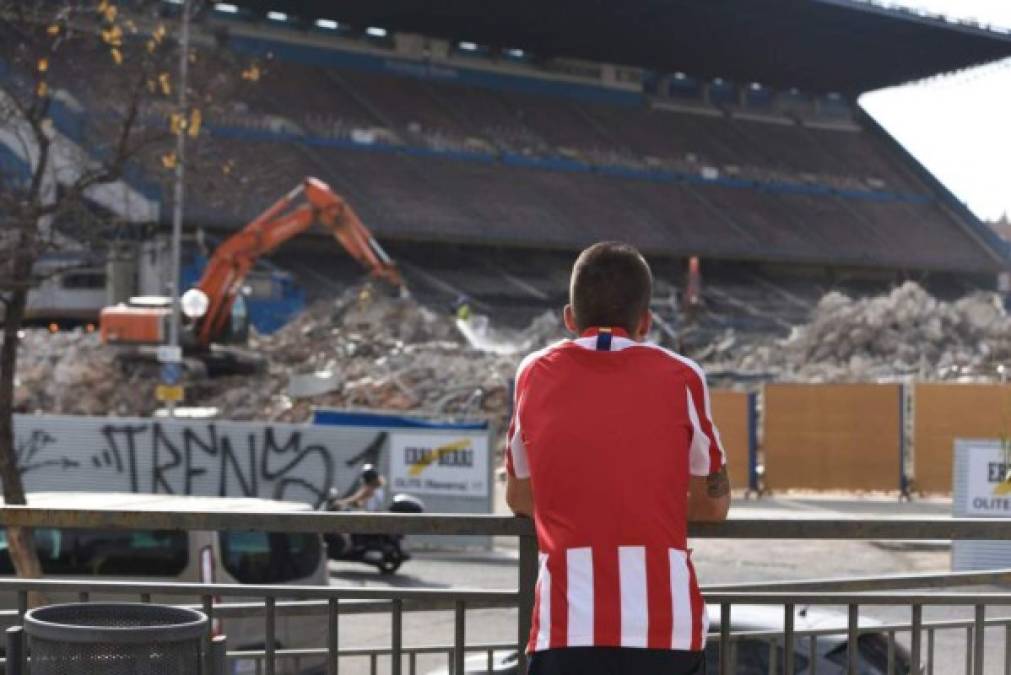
(958,125)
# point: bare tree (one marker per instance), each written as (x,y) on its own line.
(57,59)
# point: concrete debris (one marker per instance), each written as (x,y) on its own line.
(363,350)
(906,332)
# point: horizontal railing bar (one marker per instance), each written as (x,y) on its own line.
(879,628)
(270,521)
(865,598)
(889,582)
(712,637)
(9,617)
(371,651)
(895,528)
(252,590)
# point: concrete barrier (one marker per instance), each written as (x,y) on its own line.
(832,436)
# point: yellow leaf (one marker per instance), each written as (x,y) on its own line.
(165,81)
(110,12)
(196,119)
(102,6)
(41,90)
(43,65)
(252,73)
(113,36)
(117,56)
(53,30)
(159,33)
(168,160)
(151,46)
(177,122)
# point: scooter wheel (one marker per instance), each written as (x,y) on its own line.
(390,564)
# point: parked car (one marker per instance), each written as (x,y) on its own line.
(753,655)
(228,557)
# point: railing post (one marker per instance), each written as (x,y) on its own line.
(333,637)
(979,640)
(460,639)
(527,582)
(917,630)
(16,651)
(788,639)
(397,637)
(853,641)
(219,651)
(208,604)
(725,638)
(271,635)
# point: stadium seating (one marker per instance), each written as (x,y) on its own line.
(440,160)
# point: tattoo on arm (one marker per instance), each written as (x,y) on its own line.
(718,484)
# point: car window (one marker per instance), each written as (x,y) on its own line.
(873,650)
(138,553)
(269,557)
(752,657)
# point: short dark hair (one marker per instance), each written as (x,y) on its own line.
(611,286)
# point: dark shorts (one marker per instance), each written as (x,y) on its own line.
(616,661)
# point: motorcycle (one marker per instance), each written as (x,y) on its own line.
(383,551)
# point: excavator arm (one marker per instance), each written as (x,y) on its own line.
(232,260)
(311,202)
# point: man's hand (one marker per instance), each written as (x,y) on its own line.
(520,496)
(709,497)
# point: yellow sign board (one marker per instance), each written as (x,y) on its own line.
(169,394)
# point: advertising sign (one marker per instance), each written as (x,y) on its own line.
(439,464)
(988,488)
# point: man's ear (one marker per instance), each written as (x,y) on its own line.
(645,323)
(569,317)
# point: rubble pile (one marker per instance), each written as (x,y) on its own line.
(902,333)
(369,350)
(363,350)
(373,351)
(73,373)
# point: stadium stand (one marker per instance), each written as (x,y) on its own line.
(502,156)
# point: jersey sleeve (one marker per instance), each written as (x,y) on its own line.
(515,450)
(707,455)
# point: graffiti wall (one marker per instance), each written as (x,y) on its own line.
(205,457)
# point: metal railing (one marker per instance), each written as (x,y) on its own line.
(333,601)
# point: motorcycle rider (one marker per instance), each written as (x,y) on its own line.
(370,495)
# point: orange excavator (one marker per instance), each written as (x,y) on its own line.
(208,306)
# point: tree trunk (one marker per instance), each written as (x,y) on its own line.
(19,540)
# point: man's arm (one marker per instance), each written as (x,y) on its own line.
(520,496)
(709,497)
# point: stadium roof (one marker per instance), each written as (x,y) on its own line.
(815,45)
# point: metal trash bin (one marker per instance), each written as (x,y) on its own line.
(115,638)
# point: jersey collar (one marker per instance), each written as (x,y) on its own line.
(604,339)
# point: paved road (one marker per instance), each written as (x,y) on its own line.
(718,561)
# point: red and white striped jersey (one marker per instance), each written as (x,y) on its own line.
(609,431)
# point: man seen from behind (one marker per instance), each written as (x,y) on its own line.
(612,450)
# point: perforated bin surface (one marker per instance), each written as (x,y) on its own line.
(114,639)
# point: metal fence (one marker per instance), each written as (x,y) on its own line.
(230,600)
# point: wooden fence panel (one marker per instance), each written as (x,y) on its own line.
(832,436)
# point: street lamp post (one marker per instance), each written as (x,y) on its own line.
(172,362)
